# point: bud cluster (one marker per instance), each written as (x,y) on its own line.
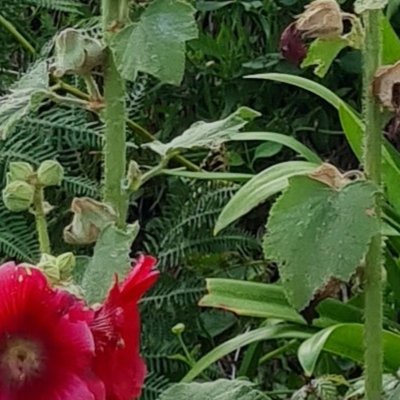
(22,181)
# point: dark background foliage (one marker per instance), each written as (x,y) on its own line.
(177,216)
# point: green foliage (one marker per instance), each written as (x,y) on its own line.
(250,299)
(110,258)
(311,212)
(154,48)
(218,390)
(25,96)
(346,340)
(258,189)
(205,134)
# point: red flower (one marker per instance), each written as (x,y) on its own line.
(116,330)
(45,351)
(292,46)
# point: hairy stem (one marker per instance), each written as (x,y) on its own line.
(372,163)
(40,219)
(18,36)
(115,122)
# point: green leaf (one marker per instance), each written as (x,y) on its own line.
(226,176)
(352,126)
(156,44)
(264,333)
(262,186)
(110,257)
(316,232)
(361,6)
(221,389)
(279,138)
(25,96)
(205,134)
(390,43)
(303,83)
(266,150)
(204,5)
(250,299)
(346,340)
(322,53)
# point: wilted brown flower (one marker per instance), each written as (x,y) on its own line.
(386,86)
(321,19)
(292,46)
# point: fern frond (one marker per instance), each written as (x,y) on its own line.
(17,237)
(69,6)
(154,385)
(178,296)
(68,127)
(81,186)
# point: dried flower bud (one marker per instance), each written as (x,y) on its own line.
(321,19)
(66,263)
(18,196)
(386,86)
(76,53)
(90,216)
(19,171)
(50,173)
(134,175)
(292,46)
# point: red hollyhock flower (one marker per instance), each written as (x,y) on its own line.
(45,351)
(116,330)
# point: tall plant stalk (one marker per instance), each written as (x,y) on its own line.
(372,164)
(41,222)
(114,115)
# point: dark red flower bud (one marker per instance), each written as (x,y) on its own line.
(292,46)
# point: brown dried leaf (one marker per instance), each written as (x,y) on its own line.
(330,175)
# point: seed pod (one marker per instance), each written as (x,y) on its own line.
(50,173)
(19,171)
(18,196)
(321,19)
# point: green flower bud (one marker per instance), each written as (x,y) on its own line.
(178,329)
(18,196)
(19,171)
(66,263)
(50,173)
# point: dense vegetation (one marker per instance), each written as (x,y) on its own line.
(180,211)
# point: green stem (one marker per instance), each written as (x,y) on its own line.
(277,352)
(191,361)
(372,163)
(115,122)
(40,219)
(14,32)
(92,87)
(138,129)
